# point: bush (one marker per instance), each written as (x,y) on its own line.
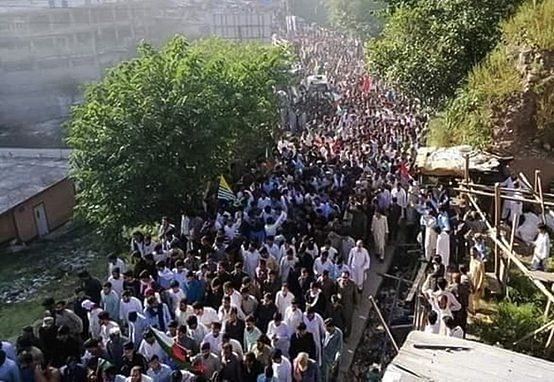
(510,322)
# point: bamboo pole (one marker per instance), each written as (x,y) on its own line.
(484,187)
(384,323)
(497,217)
(503,197)
(548,304)
(466,169)
(505,248)
(543,212)
(535,332)
(536,179)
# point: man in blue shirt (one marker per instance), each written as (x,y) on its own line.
(9,372)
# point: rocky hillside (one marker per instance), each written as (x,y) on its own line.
(508,102)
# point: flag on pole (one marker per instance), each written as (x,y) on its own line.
(224,192)
(175,351)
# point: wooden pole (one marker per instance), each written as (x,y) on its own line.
(466,169)
(537,172)
(543,212)
(384,323)
(535,332)
(505,190)
(497,217)
(505,248)
(548,304)
(503,197)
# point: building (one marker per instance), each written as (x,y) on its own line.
(46,54)
(36,195)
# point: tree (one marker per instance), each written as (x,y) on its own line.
(149,136)
(358,17)
(428,46)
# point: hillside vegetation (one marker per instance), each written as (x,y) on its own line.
(508,99)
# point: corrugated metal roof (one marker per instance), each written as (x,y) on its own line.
(431,357)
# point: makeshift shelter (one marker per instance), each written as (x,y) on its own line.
(433,357)
(452,161)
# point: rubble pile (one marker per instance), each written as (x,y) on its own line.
(375,349)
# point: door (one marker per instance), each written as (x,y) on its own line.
(40,220)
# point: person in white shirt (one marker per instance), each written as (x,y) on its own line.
(234,295)
(116,279)
(150,347)
(93,311)
(541,249)
(433,323)
(282,368)
(314,325)
(128,304)
(332,251)
(322,263)
(273,249)
(196,330)
(293,316)
(401,198)
(453,330)
(183,312)
(359,263)
(251,258)
(115,262)
(225,309)
(283,299)
(175,295)
(279,334)
(137,376)
(205,314)
(106,326)
(214,338)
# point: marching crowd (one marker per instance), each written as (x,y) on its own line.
(266,290)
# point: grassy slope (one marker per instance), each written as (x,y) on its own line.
(467,119)
(13,317)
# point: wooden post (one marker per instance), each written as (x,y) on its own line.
(497,217)
(543,212)
(466,169)
(537,172)
(548,304)
(384,323)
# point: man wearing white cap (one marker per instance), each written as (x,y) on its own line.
(93,311)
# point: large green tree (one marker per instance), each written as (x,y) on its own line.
(358,17)
(156,129)
(428,46)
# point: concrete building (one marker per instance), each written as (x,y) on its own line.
(46,54)
(36,195)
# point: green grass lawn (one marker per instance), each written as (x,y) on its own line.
(44,258)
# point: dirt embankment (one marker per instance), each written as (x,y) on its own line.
(526,128)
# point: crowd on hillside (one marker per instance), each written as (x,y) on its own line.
(266,289)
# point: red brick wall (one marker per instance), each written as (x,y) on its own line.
(58,200)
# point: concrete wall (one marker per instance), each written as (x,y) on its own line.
(58,200)
(46,54)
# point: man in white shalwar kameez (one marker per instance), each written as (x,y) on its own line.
(380,229)
(429,221)
(314,325)
(443,247)
(359,262)
(401,198)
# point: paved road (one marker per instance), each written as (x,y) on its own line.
(371,286)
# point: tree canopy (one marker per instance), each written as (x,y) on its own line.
(357,17)
(150,135)
(428,47)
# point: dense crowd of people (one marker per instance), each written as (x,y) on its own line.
(265,287)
